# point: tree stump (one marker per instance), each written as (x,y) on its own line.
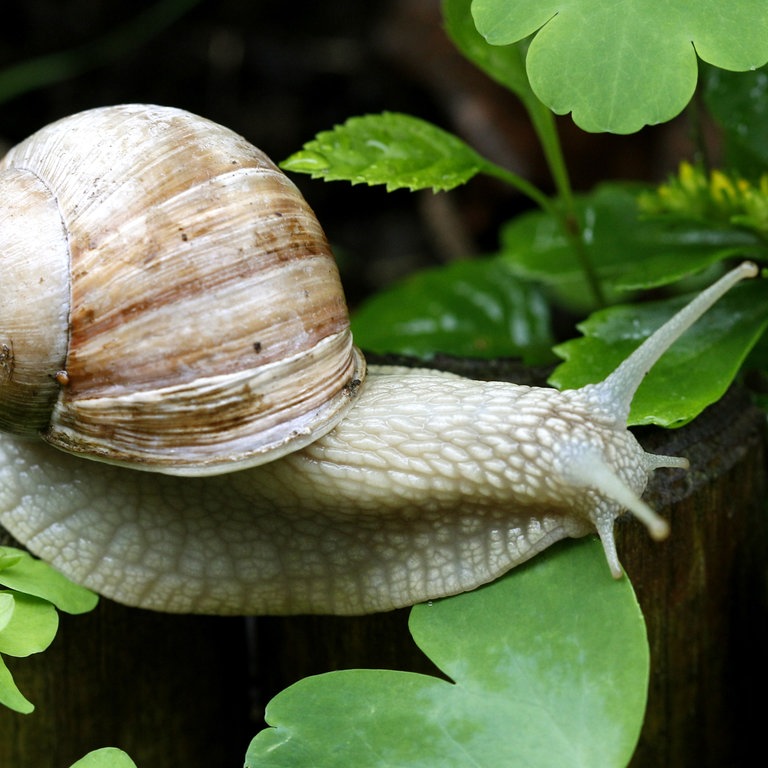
(703,591)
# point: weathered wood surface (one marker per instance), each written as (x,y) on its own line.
(170,690)
(176,690)
(704,593)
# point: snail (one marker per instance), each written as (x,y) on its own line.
(190,428)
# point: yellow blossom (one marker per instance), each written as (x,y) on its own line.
(717,196)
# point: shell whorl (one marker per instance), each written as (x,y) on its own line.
(33,335)
(168,216)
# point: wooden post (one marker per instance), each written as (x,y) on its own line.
(703,592)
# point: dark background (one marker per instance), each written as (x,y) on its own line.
(276,72)
(279,72)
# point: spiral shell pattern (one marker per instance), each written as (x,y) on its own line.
(204,326)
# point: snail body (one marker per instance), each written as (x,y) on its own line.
(377,492)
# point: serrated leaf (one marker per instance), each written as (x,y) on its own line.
(468,308)
(626,250)
(694,373)
(619,67)
(390,148)
(34,577)
(10,695)
(31,628)
(108,757)
(550,668)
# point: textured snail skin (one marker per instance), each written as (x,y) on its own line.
(430,486)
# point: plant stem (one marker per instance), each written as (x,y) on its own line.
(519,183)
(544,123)
(564,214)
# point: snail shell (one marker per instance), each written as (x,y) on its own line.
(117,222)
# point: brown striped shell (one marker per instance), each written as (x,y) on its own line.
(169,300)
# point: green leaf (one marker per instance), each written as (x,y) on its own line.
(9,556)
(550,668)
(627,251)
(34,577)
(619,67)
(469,308)
(504,64)
(35,588)
(108,757)
(7,606)
(693,374)
(31,628)
(739,102)
(390,148)
(10,695)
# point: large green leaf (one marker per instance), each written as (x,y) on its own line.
(619,66)
(693,374)
(469,308)
(389,148)
(549,668)
(25,573)
(626,250)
